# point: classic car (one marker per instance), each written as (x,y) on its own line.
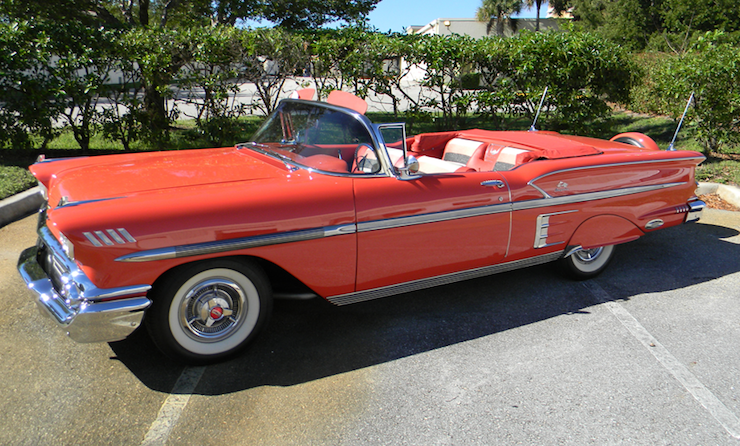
(195,244)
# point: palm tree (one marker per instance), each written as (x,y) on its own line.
(498,12)
(537,4)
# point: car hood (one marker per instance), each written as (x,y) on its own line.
(115,176)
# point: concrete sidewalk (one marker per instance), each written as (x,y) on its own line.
(20,205)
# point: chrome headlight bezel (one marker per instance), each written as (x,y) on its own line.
(67,246)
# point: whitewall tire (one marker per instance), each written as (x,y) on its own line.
(209,310)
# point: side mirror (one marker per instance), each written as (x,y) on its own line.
(410,169)
(412,164)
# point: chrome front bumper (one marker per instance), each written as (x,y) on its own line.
(85,312)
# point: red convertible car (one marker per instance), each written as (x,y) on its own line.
(321,202)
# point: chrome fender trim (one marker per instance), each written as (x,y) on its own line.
(220,246)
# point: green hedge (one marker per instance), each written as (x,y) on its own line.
(59,74)
(711,71)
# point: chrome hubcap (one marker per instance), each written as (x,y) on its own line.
(212,310)
(588,255)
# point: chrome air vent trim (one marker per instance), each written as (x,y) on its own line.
(103,238)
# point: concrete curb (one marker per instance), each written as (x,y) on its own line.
(20,205)
(28,202)
(730,194)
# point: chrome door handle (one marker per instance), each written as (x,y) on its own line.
(493,183)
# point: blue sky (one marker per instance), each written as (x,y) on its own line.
(396,15)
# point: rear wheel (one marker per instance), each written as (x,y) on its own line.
(588,263)
(209,310)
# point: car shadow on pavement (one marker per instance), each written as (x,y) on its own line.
(310,340)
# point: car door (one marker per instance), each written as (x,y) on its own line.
(428,227)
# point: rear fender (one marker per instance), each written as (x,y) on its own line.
(605,230)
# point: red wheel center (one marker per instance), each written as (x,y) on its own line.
(216,312)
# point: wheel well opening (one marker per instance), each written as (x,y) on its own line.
(282,282)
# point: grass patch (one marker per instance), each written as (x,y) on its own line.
(719,171)
(14,179)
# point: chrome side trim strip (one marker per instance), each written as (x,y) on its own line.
(590,196)
(599,166)
(434,217)
(206,248)
(377,293)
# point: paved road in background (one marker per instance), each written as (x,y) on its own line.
(647,353)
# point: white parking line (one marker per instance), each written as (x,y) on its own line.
(173,407)
(716,408)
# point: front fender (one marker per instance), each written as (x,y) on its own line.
(605,230)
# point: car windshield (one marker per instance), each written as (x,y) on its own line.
(314,136)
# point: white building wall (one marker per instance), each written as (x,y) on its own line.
(476,29)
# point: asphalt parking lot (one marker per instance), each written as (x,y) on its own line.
(644,354)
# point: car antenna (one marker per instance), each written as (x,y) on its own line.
(542,101)
(680,123)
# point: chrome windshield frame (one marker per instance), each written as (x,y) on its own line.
(374,130)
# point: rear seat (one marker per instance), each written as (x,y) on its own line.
(459,150)
(466,155)
(506,158)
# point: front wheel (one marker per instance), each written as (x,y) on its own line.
(588,263)
(208,311)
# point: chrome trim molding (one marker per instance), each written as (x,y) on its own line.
(590,196)
(433,217)
(598,166)
(206,248)
(100,238)
(377,293)
(542,227)
(65,203)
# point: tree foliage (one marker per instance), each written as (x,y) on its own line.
(711,71)
(639,24)
(159,70)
